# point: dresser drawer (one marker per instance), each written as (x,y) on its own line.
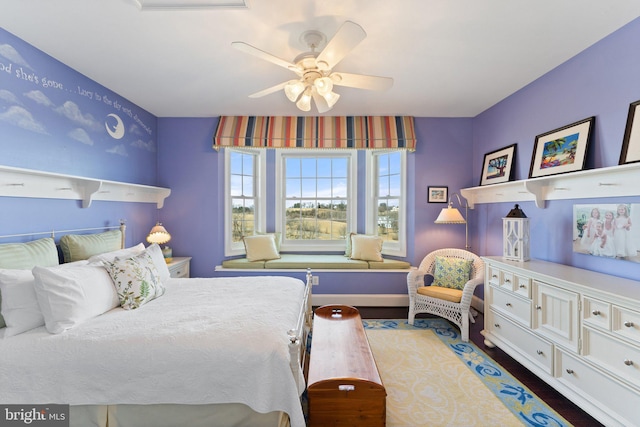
(596,312)
(493,275)
(616,356)
(626,323)
(613,398)
(512,306)
(535,348)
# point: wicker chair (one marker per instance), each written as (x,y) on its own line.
(456,307)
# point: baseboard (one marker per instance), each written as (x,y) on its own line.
(376,300)
(362,300)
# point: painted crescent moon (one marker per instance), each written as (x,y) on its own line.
(117,131)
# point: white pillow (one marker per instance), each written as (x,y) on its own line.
(261,247)
(122,253)
(159,261)
(69,295)
(366,248)
(136,279)
(19,304)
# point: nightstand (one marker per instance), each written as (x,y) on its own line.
(179,267)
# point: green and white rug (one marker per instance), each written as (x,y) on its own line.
(432,378)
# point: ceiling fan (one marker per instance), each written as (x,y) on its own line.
(316,77)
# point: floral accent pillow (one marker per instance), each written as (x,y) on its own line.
(136,279)
(451,272)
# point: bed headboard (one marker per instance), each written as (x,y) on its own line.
(73,245)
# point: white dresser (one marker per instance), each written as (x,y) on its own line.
(576,329)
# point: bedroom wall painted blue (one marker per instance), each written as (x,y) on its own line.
(55,119)
(601,81)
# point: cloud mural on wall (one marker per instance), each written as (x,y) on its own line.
(47,107)
(20,117)
(81,135)
(7,51)
(40,98)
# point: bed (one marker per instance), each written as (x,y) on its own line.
(201,352)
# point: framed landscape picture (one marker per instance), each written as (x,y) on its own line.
(498,166)
(631,143)
(562,150)
(438,194)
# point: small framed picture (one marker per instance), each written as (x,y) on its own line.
(498,166)
(631,143)
(562,150)
(438,194)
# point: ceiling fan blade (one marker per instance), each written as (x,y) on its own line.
(251,50)
(360,81)
(269,90)
(349,35)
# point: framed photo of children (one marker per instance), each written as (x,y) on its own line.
(498,166)
(631,142)
(438,194)
(562,150)
(607,230)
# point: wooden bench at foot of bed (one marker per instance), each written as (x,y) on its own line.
(344,388)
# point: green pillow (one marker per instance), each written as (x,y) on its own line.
(78,247)
(451,272)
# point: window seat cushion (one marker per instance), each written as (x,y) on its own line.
(300,261)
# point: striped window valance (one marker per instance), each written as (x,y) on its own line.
(358,132)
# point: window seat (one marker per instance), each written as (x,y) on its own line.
(315,262)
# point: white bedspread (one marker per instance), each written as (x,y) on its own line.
(205,341)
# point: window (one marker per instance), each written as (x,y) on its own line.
(316,198)
(386,189)
(244,196)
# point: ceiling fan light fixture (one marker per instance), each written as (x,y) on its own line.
(293,89)
(323,85)
(304,103)
(331,98)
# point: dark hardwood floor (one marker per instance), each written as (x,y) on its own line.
(563,406)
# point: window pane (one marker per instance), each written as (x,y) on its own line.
(383,186)
(308,187)
(394,185)
(292,166)
(308,167)
(395,163)
(339,168)
(236,185)
(324,167)
(247,185)
(340,188)
(293,188)
(324,187)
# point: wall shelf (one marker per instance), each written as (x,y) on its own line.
(18,182)
(614,181)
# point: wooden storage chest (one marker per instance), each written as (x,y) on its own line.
(344,386)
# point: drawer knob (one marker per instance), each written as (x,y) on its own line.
(628,324)
(570,371)
(538,307)
(522,286)
(507,281)
(540,352)
(628,362)
(497,325)
(508,304)
(495,276)
(596,312)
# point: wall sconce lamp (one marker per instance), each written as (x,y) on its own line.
(451,215)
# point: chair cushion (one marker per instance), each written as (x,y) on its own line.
(448,294)
(451,272)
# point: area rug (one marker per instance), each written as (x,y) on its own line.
(432,378)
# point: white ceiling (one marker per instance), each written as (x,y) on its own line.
(448,58)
